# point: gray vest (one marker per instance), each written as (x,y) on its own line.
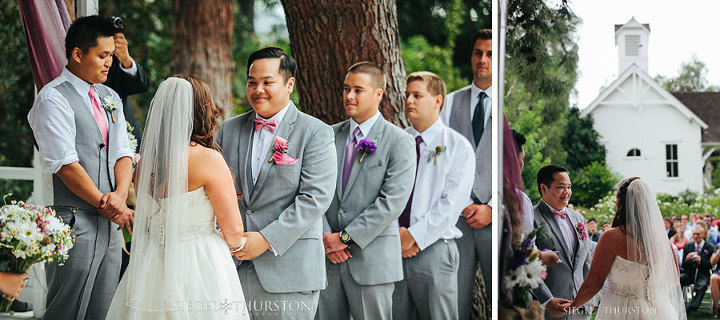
(461,122)
(92,153)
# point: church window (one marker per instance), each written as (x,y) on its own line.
(671,161)
(634,152)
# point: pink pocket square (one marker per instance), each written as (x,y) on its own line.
(281,158)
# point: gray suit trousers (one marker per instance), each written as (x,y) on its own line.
(475,247)
(267,305)
(84,286)
(430,284)
(344,297)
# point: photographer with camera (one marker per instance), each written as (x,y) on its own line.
(126,77)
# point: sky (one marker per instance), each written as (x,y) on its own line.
(678,29)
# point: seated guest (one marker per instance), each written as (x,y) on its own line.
(606,225)
(679,240)
(713,234)
(669,227)
(696,265)
(444,180)
(592,230)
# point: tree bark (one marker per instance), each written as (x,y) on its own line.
(202,45)
(328,36)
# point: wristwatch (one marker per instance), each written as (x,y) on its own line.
(345,238)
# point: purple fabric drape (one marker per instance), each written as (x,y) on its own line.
(46,23)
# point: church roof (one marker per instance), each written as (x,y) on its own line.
(635,71)
(705,105)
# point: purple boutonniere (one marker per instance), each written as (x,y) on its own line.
(582,231)
(366,146)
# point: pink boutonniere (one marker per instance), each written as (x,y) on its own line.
(280,156)
(582,231)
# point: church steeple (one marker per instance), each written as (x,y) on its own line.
(631,40)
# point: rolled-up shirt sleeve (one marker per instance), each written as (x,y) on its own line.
(123,143)
(53,125)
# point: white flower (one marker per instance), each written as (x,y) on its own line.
(110,103)
(131,138)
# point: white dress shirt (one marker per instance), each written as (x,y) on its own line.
(567,229)
(442,189)
(53,123)
(132,70)
(364,127)
(263,140)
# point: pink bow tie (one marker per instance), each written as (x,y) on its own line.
(260,123)
(560,214)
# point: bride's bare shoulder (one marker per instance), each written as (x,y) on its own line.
(613,234)
(205,162)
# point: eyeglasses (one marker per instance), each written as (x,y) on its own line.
(696,233)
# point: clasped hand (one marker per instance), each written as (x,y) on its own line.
(335,250)
(113,207)
(478,216)
(255,245)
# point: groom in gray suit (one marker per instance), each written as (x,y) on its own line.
(361,229)
(284,166)
(564,230)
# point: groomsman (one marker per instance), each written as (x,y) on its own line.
(361,231)
(468,111)
(443,184)
(83,142)
(284,166)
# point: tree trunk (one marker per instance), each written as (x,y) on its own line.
(328,36)
(202,45)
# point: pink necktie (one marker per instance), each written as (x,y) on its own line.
(560,214)
(270,124)
(99,115)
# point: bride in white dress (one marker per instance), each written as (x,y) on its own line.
(181,266)
(638,261)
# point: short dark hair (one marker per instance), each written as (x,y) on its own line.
(606,222)
(545,174)
(288,66)
(483,34)
(519,140)
(83,33)
(591,220)
(676,219)
(709,215)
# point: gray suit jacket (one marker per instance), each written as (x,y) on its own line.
(564,279)
(377,192)
(287,202)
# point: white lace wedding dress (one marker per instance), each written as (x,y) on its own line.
(210,289)
(629,295)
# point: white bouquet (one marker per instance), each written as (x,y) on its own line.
(28,235)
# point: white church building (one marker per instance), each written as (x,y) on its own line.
(648,131)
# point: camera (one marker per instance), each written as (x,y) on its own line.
(118,23)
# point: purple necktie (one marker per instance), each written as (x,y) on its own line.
(404,219)
(350,152)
